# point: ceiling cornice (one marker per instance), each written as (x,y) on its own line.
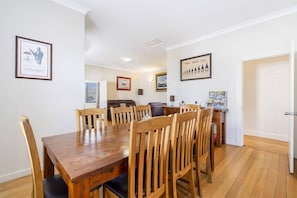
(256,21)
(73,5)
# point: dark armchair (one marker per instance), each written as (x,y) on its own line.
(157,108)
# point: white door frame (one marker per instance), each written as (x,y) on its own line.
(292,108)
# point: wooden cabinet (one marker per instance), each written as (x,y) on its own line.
(219,118)
(170,110)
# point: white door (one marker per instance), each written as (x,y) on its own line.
(103,94)
(292,109)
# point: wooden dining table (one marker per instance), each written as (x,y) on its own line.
(87,159)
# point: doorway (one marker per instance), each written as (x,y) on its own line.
(266,96)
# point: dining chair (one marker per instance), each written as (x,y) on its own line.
(192,107)
(189,107)
(121,115)
(147,162)
(142,112)
(50,187)
(90,118)
(203,149)
(181,151)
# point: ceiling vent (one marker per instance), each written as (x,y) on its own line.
(154,42)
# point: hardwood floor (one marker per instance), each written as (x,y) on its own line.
(17,188)
(258,169)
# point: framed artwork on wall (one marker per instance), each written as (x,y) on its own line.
(198,67)
(123,83)
(33,59)
(161,82)
(91,94)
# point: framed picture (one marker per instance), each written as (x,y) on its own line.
(161,82)
(198,67)
(91,92)
(33,59)
(123,83)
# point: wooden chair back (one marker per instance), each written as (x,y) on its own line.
(90,118)
(148,157)
(204,131)
(189,107)
(34,158)
(142,112)
(121,115)
(181,152)
(203,142)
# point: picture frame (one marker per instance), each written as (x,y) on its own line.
(198,67)
(161,82)
(91,92)
(123,83)
(33,59)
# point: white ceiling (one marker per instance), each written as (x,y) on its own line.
(121,28)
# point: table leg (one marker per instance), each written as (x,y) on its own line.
(79,189)
(48,166)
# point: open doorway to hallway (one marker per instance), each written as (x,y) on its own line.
(266,96)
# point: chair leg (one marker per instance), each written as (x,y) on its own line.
(97,193)
(174,188)
(208,167)
(192,182)
(170,187)
(198,178)
(167,195)
(108,194)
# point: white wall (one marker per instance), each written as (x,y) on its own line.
(48,104)
(145,81)
(95,73)
(267,97)
(267,39)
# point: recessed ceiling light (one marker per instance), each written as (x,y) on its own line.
(126,59)
(154,43)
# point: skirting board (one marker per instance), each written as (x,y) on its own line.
(295,167)
(14,175)
(265,134)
